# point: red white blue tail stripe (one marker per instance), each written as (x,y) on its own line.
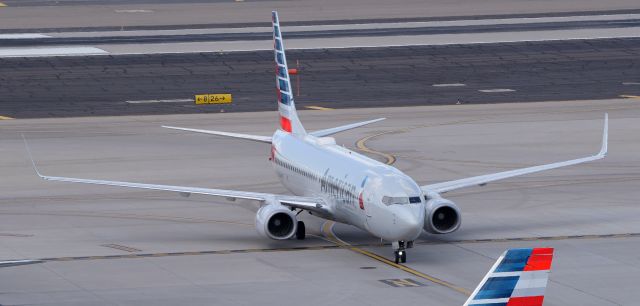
(518,278)
(289,121)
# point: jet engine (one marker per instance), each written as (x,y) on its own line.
(442,216)
(276,222)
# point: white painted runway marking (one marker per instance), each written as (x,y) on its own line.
(133,11)
(630,83)
(159,101)
(57,51)
(23,36)
(496,90)
(449,85)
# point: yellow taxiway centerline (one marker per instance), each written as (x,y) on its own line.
(630,96)
(327,229)
(318,108)
(361,145)
(5,117)
(2,4)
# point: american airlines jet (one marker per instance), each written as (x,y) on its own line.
(335,183)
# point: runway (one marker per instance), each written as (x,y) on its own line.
(335,78)
(153,14)
(315,31)
(106,246)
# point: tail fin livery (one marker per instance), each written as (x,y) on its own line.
(518,278)
(289,121)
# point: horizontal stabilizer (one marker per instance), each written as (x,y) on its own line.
(331,131)
(257,138)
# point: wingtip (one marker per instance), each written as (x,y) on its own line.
(12,263)
(33,163)
(171,127)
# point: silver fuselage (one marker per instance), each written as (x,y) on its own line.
(351,184)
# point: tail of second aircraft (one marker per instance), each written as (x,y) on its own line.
(518,278)
(289,121)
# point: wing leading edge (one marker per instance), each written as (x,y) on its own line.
(484,179)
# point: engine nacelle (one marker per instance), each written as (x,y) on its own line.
(442,216)
(276,222)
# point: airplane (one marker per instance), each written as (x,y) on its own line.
(518,278)
(335,183)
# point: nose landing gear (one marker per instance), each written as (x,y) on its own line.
(401,256)
(400,250)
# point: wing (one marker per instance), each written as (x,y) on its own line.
(342,128)
(484,179)
(306,203)
(519,277)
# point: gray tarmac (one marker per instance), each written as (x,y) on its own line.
(195,251)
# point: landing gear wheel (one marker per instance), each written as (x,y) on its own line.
(400,250)
(300,232)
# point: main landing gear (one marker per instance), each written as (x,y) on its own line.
(300,232)
(400,250)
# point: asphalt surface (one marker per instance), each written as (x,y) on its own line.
(335,78)
(106,245)
(141,39)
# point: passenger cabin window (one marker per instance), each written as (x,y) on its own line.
(400,200)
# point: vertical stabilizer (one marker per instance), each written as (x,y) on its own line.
(289,121)
(518,278)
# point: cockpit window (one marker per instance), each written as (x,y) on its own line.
(400,200)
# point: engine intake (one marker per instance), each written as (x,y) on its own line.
(276,222)
(442,216)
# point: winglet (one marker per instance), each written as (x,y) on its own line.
(33,163)
(605,137)
(519,277)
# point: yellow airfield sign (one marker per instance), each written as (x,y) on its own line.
(214,99)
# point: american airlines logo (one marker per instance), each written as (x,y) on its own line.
(338,188)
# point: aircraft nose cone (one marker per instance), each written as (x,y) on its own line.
(409,224)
